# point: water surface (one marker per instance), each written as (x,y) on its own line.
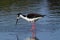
(48,28)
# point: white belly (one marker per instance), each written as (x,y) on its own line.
(33,19)
(30,19)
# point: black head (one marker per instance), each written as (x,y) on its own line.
(19,14)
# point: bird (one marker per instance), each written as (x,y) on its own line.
(32,17)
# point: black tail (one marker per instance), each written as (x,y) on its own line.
(43,15)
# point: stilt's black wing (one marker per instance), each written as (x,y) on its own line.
(32,15)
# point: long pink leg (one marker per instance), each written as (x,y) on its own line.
(33,30)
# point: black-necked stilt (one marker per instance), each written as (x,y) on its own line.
(32,17)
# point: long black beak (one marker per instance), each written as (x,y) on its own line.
(17,21)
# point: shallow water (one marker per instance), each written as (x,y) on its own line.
(48,28)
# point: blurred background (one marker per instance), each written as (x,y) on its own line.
(47,28)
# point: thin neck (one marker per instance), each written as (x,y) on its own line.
(23,17)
